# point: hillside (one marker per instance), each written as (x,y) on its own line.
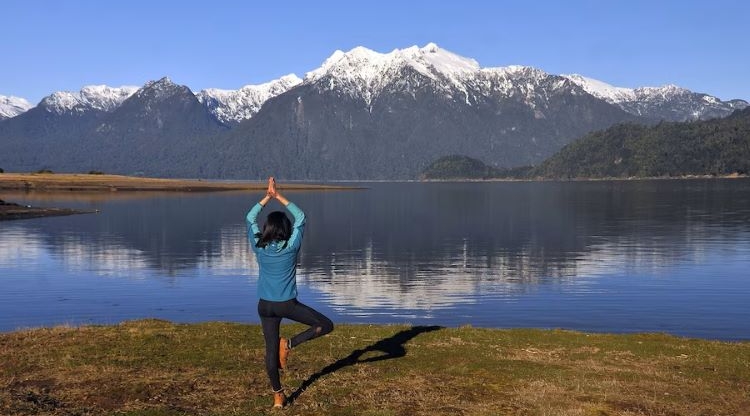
(713,147)
(457,167)
(718,147)
(464,167)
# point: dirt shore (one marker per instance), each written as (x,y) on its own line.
(111,183)
(92,184)
(11,211)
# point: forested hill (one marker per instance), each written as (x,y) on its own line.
(670,149)
(460,167)
(713,147)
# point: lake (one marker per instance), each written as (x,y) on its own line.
(606,256)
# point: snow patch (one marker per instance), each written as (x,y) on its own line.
(364,72)
(99,97)
(11,106)
(233,106)
(601,89)
(668,101)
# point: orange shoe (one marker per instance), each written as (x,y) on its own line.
(279,399)
(283,352)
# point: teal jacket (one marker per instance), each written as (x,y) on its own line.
(277,280)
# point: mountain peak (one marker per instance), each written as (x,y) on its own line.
(364,72)
(165,81)
(161,88)
(427,60)
(233,106)
(97,97)
(11,106)
(290,79)
(444,61)
(161,83)
(430,48)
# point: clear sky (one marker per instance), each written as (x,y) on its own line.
(63,45)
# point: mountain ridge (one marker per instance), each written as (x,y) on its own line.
(332,131)
(233,106)
(361,115)
(653,100)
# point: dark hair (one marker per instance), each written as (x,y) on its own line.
(277,228)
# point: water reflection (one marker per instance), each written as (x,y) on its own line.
(408,249)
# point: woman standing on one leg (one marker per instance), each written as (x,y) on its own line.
(276,249)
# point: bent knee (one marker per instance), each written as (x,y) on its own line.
(325,327)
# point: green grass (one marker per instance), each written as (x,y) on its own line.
(158,368)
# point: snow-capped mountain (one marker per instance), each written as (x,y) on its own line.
(98,97)
(12,106)
(367,115)
(156,91)
(364,73)
(228,106)
(160,129)
(361,115)
(232,106)
(668,102)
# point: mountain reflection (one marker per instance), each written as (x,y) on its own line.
(412,246)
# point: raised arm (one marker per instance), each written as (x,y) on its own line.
(295,241)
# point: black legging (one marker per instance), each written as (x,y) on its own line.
(271,314)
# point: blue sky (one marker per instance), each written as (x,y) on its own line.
(63,45)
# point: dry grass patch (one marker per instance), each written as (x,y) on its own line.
(84,182)
(158,368)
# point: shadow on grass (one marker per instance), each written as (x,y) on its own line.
(391,347)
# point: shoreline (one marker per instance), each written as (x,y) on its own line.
(12,211)
(79,326)
(102,184)
(82,182)
(607,179)
(153,366)
(93,183)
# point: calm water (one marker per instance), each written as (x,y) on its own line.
(668,256)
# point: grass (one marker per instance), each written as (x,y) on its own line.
(155,367)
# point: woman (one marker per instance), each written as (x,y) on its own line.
(276,249)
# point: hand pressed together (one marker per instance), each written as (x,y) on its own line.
(271,187)
(272,192)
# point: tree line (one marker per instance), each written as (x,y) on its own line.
(715,147)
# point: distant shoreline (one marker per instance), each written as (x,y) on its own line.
(79,182)
(614,178)
(11,211)
(116,183)
(96,183)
